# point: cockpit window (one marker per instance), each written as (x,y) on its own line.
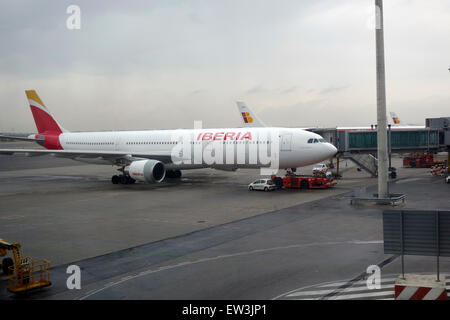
(310,140)
(322,140)
(316,141)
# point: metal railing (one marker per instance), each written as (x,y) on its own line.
(29,275)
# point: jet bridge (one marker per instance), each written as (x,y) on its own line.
(360,145)
(401,140)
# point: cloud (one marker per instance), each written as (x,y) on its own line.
(332,89)
(256,89)
(132,63)
(289,90)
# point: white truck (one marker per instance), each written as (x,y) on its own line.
(319,167)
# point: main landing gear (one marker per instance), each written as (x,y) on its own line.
(173,174)
(122,179)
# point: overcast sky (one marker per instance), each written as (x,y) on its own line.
(163,64)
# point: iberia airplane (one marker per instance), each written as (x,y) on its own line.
(150,156)
(397,123)
(250,119)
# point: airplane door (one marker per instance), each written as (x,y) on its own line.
(117,142)
(286,142)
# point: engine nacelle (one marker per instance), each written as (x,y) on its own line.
(150,171)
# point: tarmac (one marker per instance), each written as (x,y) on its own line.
(204,236)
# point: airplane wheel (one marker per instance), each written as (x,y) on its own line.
(123,179)
(130,180)
(169,174)
(115,179)
(177,174)
(173,174)
(278,182)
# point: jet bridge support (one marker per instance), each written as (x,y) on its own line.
(365,161)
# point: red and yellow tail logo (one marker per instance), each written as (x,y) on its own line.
(246,117)
(45,123)
(396,121)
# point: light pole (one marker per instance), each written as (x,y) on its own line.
(381,104)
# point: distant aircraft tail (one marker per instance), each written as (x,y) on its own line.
(249,118)
(395,119)
(45,122)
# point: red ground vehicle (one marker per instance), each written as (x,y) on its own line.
(420,160)
(320,180)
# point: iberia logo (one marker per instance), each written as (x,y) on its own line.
(247,118)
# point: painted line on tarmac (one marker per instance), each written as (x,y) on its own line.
(360,277)
(408,180)
(358,291)
(364,295)
(362,282)
(338,286)
(327,291)
(225,256)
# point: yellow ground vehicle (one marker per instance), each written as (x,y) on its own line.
(24,274)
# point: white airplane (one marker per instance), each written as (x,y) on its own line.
(150,156)
(250,119)
(395,119)
(396,122)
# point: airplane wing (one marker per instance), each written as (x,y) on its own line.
(19,138)
(115,157)
(249,118)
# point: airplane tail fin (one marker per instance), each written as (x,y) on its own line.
(45,122)
(395,119)
(249,118)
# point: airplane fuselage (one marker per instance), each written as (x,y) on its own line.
(224,148)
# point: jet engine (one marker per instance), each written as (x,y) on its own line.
(149,171)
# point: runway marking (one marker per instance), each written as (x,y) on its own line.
(225,256)
(324,292)
(364,295)
(334,284)
(408,180)
(13,217)
(357,290)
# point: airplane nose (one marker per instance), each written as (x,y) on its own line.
(331,150)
